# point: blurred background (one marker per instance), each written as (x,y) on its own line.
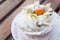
(10,8)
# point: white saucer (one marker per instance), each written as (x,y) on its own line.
(15,26)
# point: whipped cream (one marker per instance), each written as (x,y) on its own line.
(29,19)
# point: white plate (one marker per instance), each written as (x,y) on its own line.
(16,31)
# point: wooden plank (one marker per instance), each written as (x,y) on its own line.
(5,27)
(7,6)
(10,37)
(59,12)
(0,0)
(54,3)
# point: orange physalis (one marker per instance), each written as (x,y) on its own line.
(39,10)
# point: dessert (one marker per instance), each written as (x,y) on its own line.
(35,17)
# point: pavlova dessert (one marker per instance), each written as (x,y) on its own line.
(35,17)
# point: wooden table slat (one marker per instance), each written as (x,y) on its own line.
(7,6)
(54,3)
(59,12)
